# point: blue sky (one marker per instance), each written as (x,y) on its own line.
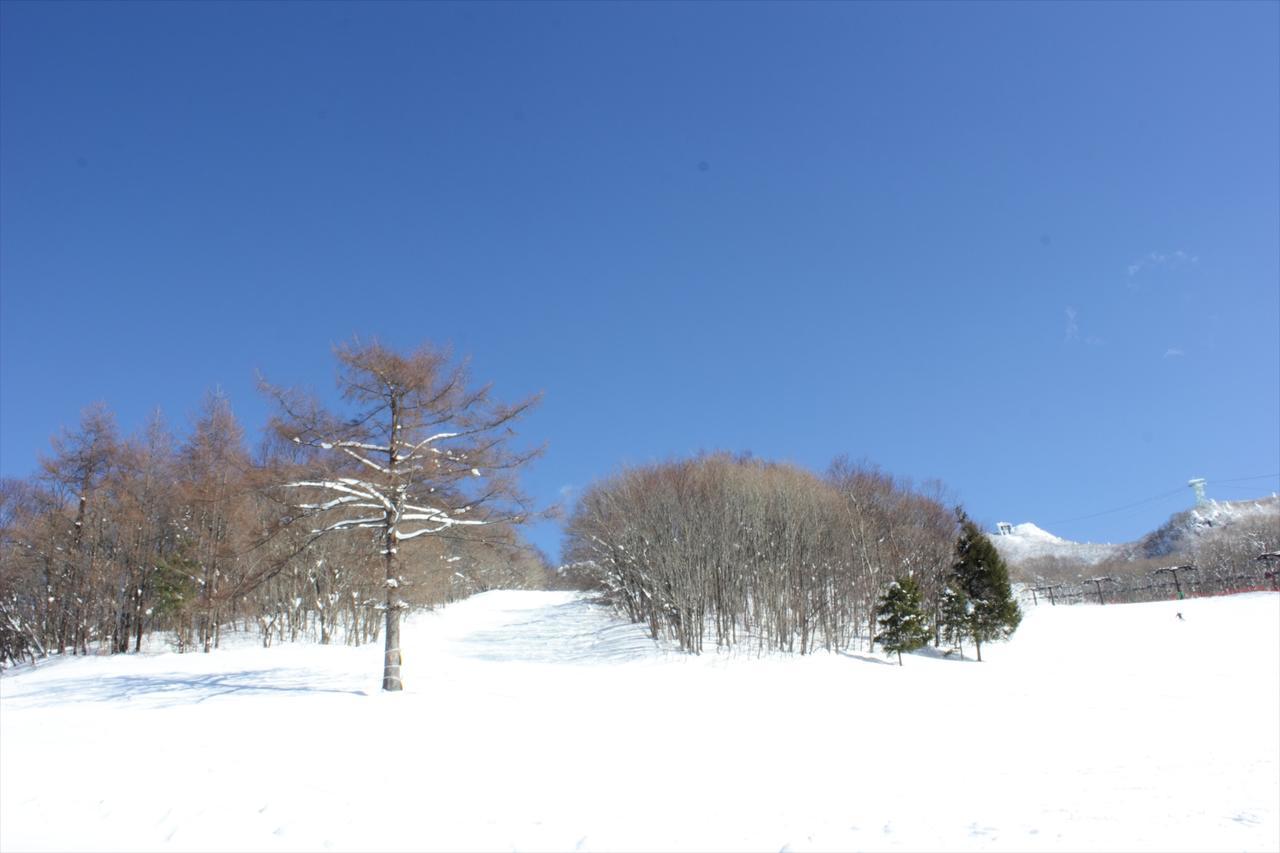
(1028,249)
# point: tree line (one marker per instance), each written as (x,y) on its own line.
(726,550)
(338,522)
(405,494)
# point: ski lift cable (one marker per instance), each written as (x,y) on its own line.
(1142,502)
(1238,488)
(1275,476)
(1162,496)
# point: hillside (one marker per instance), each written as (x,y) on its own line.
(1184,529)
(1179,535)
(536,721)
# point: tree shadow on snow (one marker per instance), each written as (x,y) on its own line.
(164,690)
(575,632)
(927,652)
(941,654)
(868,658)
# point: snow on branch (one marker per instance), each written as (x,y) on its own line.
(350,523)
(346,485)
(444,524)
(360,445)
(364,460)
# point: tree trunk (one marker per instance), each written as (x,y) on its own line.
(391,657)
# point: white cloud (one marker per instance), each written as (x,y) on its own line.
(567,491)
(1072,334)
(1176,258)
(1173,352)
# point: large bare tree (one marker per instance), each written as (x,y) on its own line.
(420,453)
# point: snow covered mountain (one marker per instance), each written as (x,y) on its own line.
(1018,543)
(1180,533)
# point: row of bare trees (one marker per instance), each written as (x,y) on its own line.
(118,537)
(735,550)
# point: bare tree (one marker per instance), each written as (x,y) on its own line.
(82,461)
(150,513)
(756,551)
(214,466)
(420,454)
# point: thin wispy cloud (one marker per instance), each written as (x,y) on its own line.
(1176,258)
(1072,332)
(1173,352)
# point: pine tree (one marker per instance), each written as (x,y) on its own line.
(953,616)
(903,627)
(982,576)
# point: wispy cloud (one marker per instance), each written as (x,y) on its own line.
(567,491)
(1072,332)
(1173,352)
(1176,258)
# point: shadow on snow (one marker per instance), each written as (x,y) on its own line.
(163,690)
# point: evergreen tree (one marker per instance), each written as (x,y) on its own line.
(903,627)
(953,616)
(982,576)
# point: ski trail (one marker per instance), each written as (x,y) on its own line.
(531,627)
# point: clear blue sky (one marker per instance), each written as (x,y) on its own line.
(1029,249)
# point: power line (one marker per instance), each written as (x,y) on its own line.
(1212,481)
(1158,497)
(1243,479)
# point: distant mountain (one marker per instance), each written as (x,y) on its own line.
(1020,543)
(1180,533)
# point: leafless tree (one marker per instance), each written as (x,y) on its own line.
(76,473)
(420,453)
(741,549)
(214,469)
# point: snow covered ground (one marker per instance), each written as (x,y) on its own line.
(534,721)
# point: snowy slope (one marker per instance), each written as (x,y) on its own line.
(1026,541)
(535,721)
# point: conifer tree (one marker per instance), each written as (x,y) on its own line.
(953,616)
(903,627)
(983,578)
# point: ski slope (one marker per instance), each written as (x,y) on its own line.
(536,721)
